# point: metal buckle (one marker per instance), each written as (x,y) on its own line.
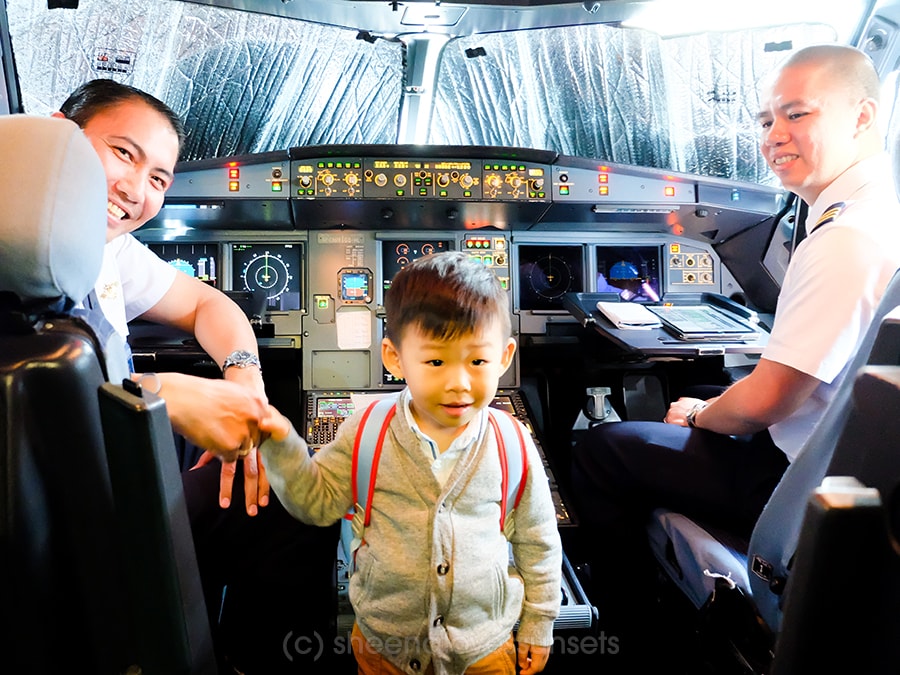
(761,568)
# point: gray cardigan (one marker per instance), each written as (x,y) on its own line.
(434,579)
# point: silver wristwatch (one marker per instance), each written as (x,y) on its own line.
(692,415)
(241,358)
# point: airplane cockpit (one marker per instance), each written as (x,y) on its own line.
(601,158)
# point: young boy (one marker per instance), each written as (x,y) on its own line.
(434,590)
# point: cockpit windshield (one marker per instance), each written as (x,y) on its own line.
(616,86)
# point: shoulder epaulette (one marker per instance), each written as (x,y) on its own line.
(829,214)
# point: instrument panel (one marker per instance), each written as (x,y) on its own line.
(546,273)
(392,178)
(199,260)
(315,235)
(537,273)
(271,269)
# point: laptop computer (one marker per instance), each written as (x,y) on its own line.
(704,323)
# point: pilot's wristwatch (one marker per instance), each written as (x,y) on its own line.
(692,415)
(241,358)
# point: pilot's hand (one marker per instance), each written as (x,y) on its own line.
(256,485)
(679,409)
(532,658)
(217,415)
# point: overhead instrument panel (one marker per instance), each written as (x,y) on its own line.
(200,261)
(547,273)
(272,269)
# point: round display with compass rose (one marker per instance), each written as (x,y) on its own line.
(267,272)
(546,274)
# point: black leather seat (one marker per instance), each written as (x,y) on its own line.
(706,566)
(842,602)
(97,572)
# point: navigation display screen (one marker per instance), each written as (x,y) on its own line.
(270,269)
(547,273)
(632,272)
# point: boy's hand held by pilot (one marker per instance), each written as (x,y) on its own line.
(274,425)
(532,658)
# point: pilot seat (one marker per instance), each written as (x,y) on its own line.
(739,587)
(97,568)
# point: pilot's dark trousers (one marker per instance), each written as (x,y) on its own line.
(621,471)
(268,580)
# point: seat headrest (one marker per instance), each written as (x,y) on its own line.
(52,209)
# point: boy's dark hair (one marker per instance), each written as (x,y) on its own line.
(95,96)
(446,295)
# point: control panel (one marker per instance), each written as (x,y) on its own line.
(608,185)
(689,266)
(419,178)
(262,176)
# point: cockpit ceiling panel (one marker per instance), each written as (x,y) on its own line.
(242,82)
(687,104)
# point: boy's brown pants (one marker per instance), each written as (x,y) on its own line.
(370,662)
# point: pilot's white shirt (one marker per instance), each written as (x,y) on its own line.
(832,287)
(132,280)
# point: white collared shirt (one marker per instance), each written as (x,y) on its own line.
(442,463)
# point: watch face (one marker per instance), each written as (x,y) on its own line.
(241,359)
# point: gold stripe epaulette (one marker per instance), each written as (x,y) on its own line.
(829,214)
